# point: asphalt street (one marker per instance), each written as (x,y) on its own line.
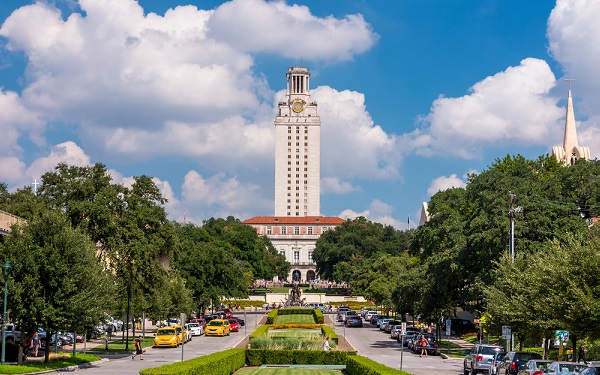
(369,341)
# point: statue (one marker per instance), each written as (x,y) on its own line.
(295,297)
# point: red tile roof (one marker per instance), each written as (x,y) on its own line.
(315,220)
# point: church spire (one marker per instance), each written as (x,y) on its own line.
(570,151)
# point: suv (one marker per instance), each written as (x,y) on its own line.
(515,361)
(480,358)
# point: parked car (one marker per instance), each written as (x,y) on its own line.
(412,340)
(382,323)
(431,347)
(218,327)
(228,314)
(495,366)
(592,369)
(167,336)
(513,362)
(195,329)
(233,324)
(369,315)
(241,322)
(535,367)
(565,368)
(479,358)
(349,314)
(354,321)
(341,311)
(390,324)
(200,321)
(375,318)
(410,331)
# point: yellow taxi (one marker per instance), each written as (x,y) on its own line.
(217,327)
(167,336)
(182,333)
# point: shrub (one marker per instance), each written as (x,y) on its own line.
(257,357)
(271,317)
(318,315)
(359,365)
(260,331)
(328,331)
(220,363)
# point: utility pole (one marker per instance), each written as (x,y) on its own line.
(511,216)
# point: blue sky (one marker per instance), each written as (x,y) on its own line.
(413,95)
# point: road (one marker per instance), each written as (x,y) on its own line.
(370,342)
(154,357)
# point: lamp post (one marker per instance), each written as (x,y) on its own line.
(6,273)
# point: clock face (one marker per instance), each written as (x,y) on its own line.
(297,107)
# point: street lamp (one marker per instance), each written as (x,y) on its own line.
(6,273)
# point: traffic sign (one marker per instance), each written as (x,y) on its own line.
(506,332)
(448,327)
(403,328)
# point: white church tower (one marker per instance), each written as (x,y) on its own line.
(297,149)
(570,151)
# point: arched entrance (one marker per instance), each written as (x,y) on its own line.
(296,276)
(310,275)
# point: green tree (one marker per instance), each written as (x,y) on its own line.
(57,281)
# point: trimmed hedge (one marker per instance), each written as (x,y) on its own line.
(328,331)
(359,365)
(257,357)
(220,363)
(260,331)
(271,317)
(318,315)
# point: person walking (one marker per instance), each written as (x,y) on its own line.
(36,344)
(138,349)
(424,344)
(326,346)
(582,353)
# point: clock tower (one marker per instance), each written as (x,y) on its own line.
(297,149)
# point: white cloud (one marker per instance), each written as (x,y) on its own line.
(351,145)
(248,26)
(379,212)
(336,186)
(15,119)
(573,35)
(68,152)
(444,183)
(510,108)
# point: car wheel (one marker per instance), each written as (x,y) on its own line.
(473,372)
(465,371)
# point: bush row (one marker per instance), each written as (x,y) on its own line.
(327,331)
(221,363)
(295,325)
(257,357)
(358,365)
(318,315)
(260,331)
(229,361)
(271,316)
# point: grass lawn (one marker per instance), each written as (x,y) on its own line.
(295,319)
(287,371)
(294,332)
(56,362)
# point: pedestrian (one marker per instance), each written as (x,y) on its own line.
(138,349)
(582,352)
(36,344)
(424,344)
(326,344)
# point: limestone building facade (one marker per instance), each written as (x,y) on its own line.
(297,223)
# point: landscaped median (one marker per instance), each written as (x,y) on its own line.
(229,361)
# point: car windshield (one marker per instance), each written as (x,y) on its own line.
(568,367)
(168,332)
(216,323)
(490,350)
(193,325)
(528,356)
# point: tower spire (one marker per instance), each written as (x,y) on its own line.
(570,150)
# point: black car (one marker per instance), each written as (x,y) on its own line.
(515,361)
(375,317)
(354,321)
